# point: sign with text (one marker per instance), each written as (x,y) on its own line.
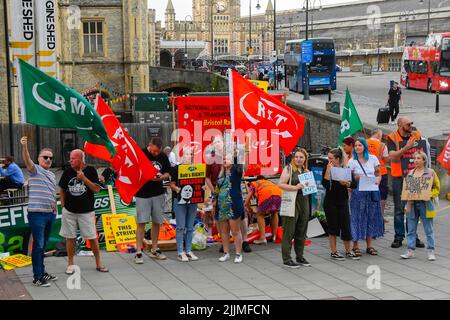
(124,230)
(307,52)
(46,36)
(191,178)
(407,159)
(15,261)
(308,182)
(110,240)
(263,85)
(417,188)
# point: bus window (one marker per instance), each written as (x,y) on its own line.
(297,48)
(446,44)
(407,66)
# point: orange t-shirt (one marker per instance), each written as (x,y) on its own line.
(264,189)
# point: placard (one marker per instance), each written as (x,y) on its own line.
(417,188)
(15,261)
(110,240)
(191,179)
(263,85)
(368,184)
(407,160)
(125,233)
(308,182)
(341,174)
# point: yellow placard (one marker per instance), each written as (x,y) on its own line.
(192,171)
(110,240)
(124,230)
(263,85)
(15,261)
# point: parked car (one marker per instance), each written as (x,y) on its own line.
(338,68)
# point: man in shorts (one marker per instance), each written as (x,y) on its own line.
(150,200)
(78,185)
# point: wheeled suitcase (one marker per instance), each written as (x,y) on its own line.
(383,115)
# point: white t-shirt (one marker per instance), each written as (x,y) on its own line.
(369,166)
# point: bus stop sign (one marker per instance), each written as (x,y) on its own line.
(307,52)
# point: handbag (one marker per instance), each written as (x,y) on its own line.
(287,208)
(374,195)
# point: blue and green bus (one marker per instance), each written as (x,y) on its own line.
(322,71)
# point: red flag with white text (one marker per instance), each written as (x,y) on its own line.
(252,108)
(444,157)
(133,167)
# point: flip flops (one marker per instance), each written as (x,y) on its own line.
(70,269)
(102,269)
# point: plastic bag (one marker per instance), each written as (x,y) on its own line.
(199,238)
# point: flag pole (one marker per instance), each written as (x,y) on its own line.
(112,203)
(173,119)
(8,80)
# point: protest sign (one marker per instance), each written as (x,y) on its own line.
(407,159)
(191,178)
(110,240)
(308,182)
(124,230)
(368,184)
(341,174)
(263,85)
(15,261)
(417,188)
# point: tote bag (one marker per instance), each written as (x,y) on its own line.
(287,208)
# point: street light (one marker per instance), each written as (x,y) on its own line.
(185,39)
(290,28)
(310,5)
(429,12)
(407,14)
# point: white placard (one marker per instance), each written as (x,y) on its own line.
(341,174)
(308,182)
(368,184)
(314,228)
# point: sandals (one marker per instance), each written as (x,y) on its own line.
(357,252)
(372,251)
(102,269)
(70,269)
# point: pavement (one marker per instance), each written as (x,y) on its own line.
(261,276)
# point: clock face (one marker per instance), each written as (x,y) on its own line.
(221,5)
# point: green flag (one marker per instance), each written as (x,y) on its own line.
(350,122)
(47,102)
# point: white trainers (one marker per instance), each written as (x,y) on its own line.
(191,256)
(238,258)
(225,257)
(408,255)
(138,259)
(431,256)
(260,241)
(183,257)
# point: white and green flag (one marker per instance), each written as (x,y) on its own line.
(350,122)
(47,102)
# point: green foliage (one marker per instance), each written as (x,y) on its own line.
(320,215)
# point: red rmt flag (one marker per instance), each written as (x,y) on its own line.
(133,167)
(444,157)
(252,108)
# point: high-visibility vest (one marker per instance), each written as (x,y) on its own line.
(264,189)
(376,148)
(396,164)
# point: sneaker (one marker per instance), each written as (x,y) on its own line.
(138,259)
(431,256)
(157,254)
(238,258)
(419,244)
(291,264)
(50,277)
(337,256)
(408,255)
(260,241)
(246,247)
(191,256)
(41,283)
(221,249)
(352,255)
(303,262)
(396,244)
(183,257)
(225,257)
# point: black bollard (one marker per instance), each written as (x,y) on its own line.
(437,102)
(329,94)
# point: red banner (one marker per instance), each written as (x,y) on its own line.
(133,167)
(444,157)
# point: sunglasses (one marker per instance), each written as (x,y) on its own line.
(47,157)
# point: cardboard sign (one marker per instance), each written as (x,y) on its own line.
(191,178)
(15,261)
(417,188)
(263,85)
(124,230)
(110,240)
(308,182)
(407,159)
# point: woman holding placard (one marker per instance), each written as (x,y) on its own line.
(366,219)
(336,204)
(295,218)
(423,209)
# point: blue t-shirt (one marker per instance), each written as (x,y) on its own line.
(13,173)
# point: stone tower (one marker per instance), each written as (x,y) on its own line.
(170,21)
(267,44)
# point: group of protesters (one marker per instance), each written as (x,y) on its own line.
(352,214)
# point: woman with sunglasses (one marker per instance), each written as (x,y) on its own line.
(41,208)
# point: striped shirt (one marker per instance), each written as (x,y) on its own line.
(42,187)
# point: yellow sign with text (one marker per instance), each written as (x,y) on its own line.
(15,261)
(192,171)
(124,230)
(263,85)
(110,240)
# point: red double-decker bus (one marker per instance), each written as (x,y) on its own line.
(428,67)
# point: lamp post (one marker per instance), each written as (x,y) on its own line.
(429,13)
(290,28)
(407,14)
(275,41)
(185,39)
(310,7)
(8,79)
(212,35)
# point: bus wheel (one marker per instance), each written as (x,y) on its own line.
(430,86)
(407,83)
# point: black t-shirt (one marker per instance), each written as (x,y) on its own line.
(155,188)
(78,197)
(335,191)
(395,95)
(391,145)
